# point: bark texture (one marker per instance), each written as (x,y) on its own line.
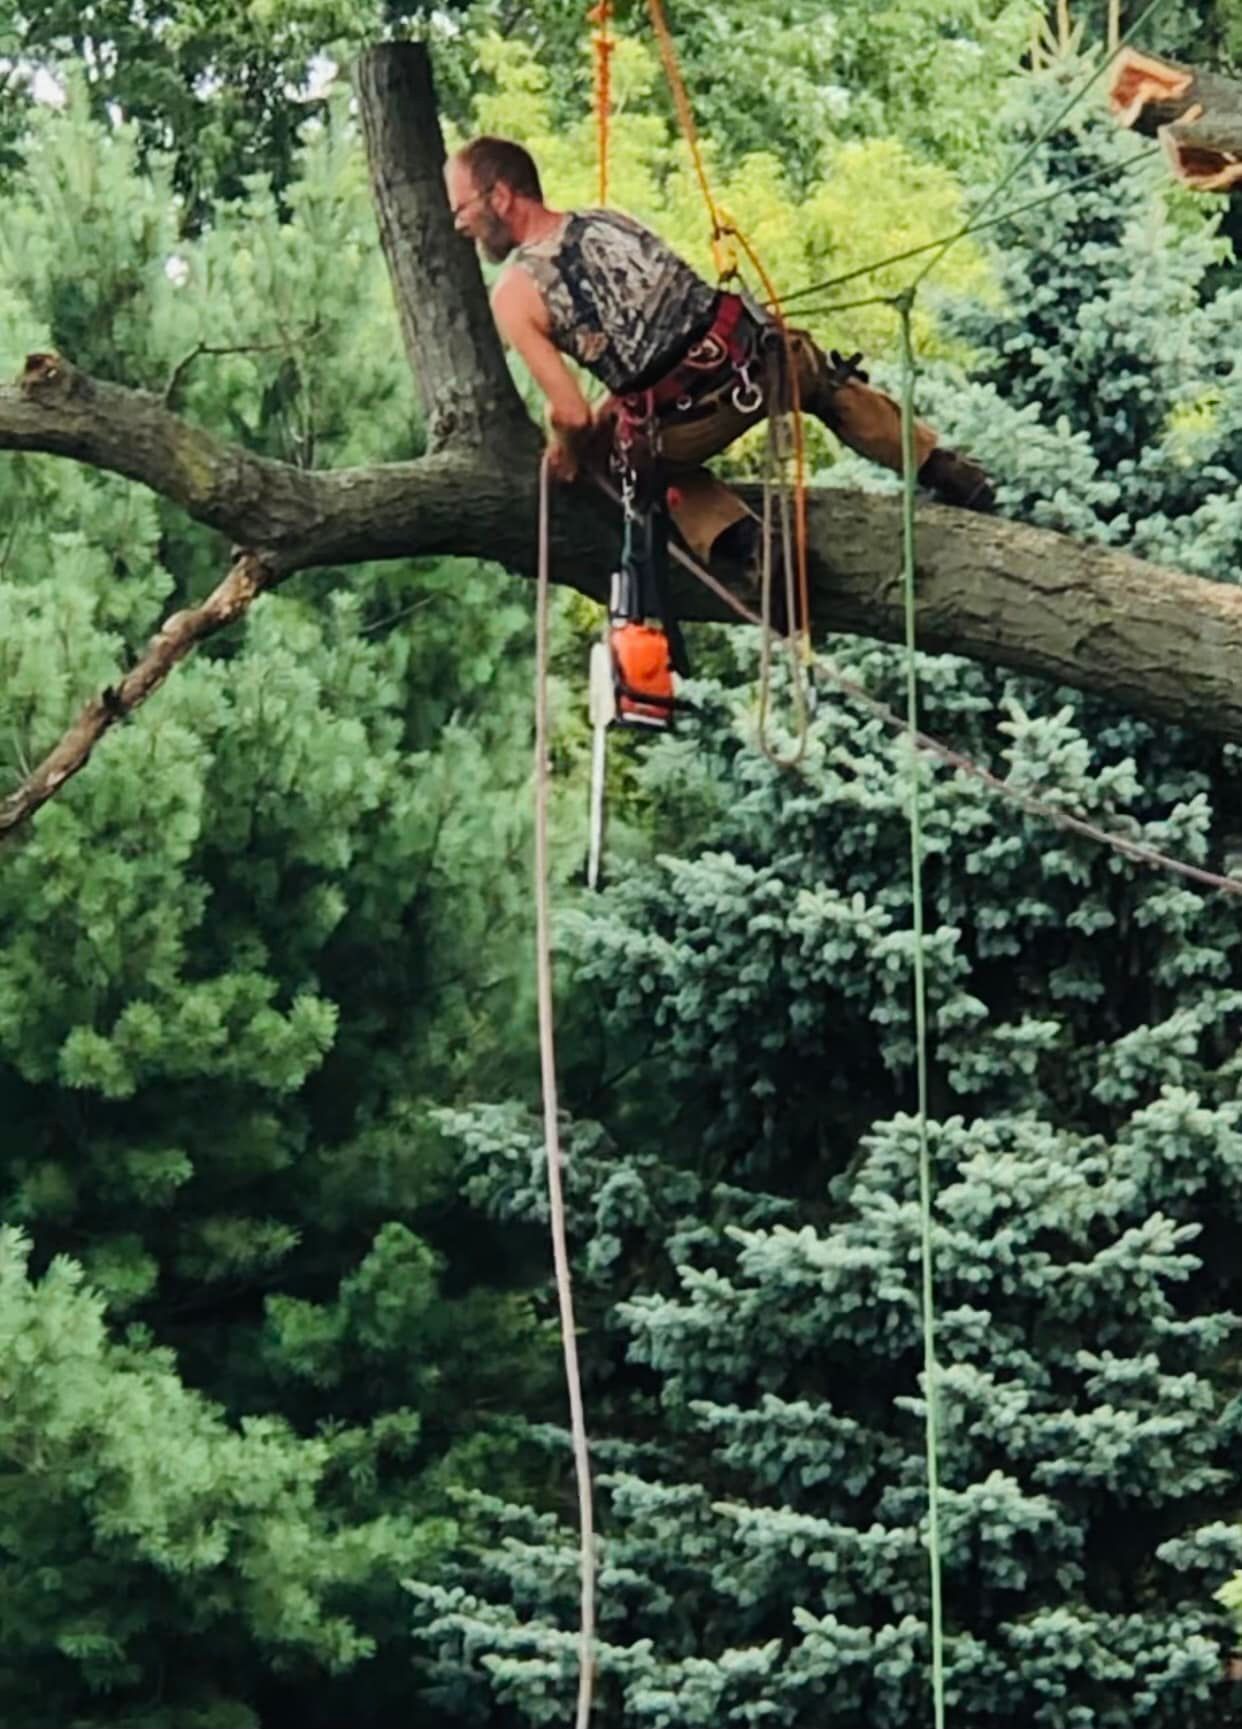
(467,393)
(1197,116)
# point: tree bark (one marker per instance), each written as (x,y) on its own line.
(1197,116)
(467,394)
(1164,644)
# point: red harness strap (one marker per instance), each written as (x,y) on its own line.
(682,380)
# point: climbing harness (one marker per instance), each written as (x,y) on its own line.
(742,362)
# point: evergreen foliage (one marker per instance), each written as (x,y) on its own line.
(759,1389)
(237,957)
(151,1546)
(763,1551)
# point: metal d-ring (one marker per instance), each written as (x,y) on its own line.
(746,396)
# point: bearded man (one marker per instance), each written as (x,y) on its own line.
(687,364)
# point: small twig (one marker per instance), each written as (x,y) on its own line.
(219,348)
(396,617)
(248,577)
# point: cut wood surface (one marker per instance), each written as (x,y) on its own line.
(1196,116)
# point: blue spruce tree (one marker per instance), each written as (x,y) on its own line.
(745,1194)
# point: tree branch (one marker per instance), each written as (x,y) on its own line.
(214,349)
(1197,116)
(1163,644)
(54,407)
(180,633)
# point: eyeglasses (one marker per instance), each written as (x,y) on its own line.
(456,210)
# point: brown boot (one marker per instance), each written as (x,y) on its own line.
(958,480)
(741,544)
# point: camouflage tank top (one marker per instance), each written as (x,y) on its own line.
(621,302)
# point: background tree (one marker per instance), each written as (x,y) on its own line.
(231,977)
(757,1364)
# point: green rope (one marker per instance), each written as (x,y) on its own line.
(976,226)
(978,220)
(905,305)
(1072,100)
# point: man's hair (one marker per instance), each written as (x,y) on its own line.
(492,160)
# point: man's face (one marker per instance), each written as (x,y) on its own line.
(479,212)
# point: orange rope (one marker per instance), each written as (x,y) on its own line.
(726,265)
(604,47)
(726,262)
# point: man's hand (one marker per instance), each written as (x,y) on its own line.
(571,448)
(562,460)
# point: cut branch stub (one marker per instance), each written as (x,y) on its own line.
(467,394)
(41,372)
(1197,116)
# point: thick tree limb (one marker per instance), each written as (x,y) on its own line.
(468,395)
(300,517)
(1165,644)
(177,636)
(1197,116)
(56,408)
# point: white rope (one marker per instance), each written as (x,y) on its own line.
(551,1126)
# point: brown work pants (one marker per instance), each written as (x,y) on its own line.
(703,507)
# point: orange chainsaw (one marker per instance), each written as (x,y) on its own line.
(633,667)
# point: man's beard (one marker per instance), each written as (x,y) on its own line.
(495,242)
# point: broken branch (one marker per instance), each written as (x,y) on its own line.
(180,633)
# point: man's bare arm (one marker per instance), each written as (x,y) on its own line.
(522,321)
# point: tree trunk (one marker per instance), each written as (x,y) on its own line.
(467,394)
(1197,116)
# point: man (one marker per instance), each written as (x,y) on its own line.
(689,368)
